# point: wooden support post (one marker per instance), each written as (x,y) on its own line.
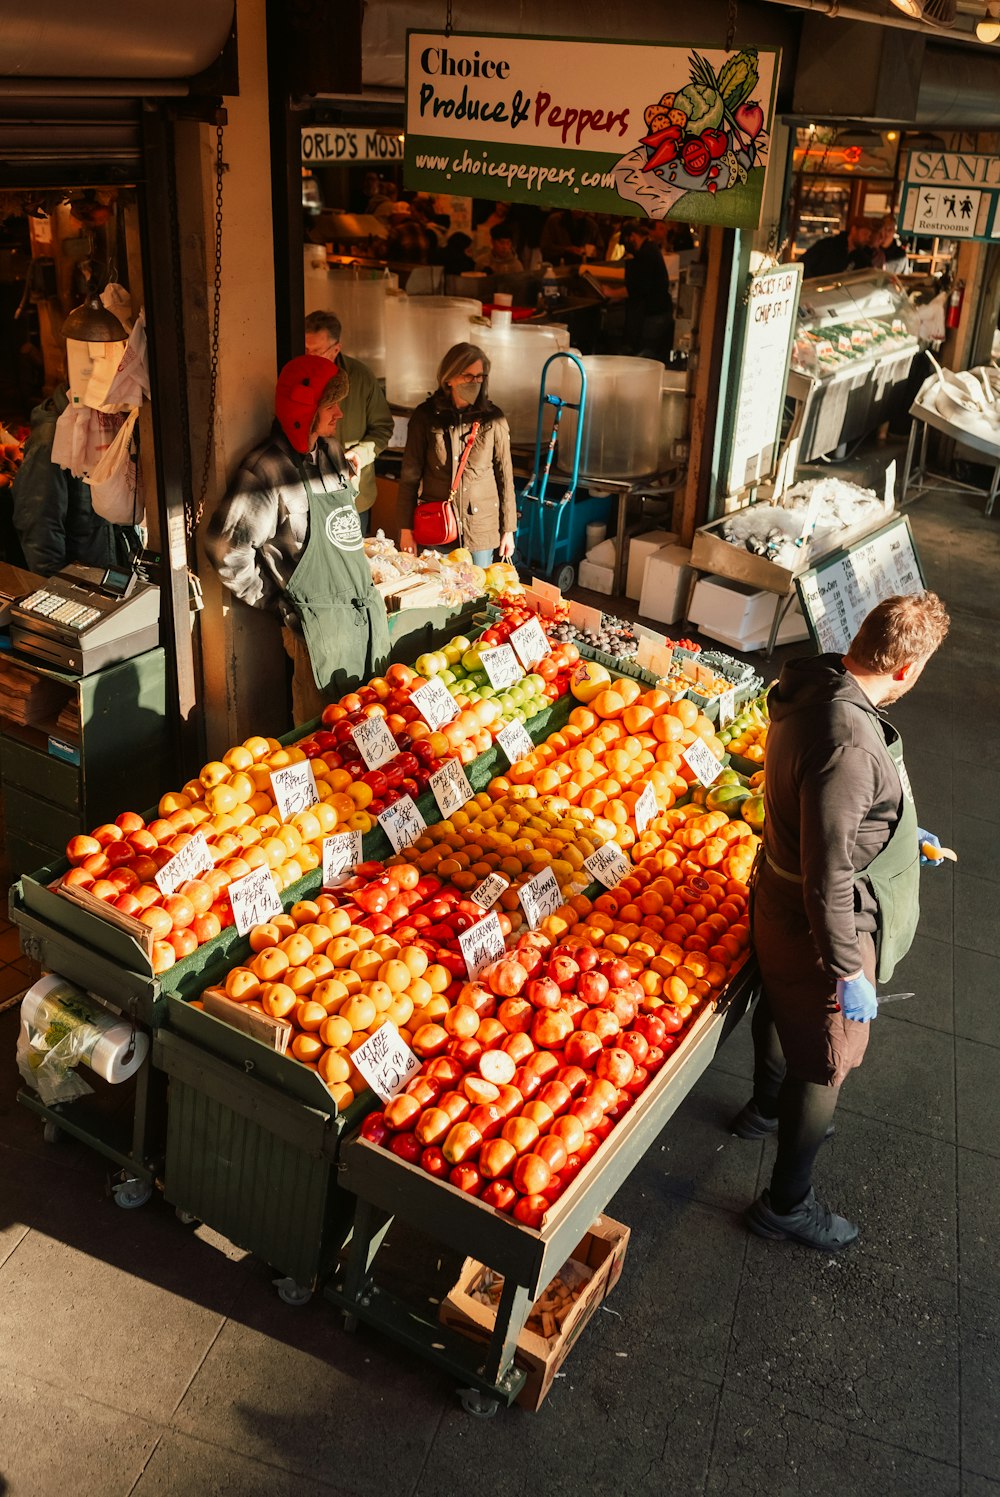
(705,406)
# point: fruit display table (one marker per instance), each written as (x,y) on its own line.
(531,974)
(529,1258)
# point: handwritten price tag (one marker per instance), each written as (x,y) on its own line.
(451,787)
(702,762)
(657,658)
(254,899)
(705,677)
(531,643)
(374,742)
(608,865)
(341,855)
(590,620)
(481,944)
(501,666)
(515,741)
(488,892)
(435,704)
(727,706)
(294,788)
(402,823)
(688,667)
(192,861)
(645,809)
(386,1061)
(539,897)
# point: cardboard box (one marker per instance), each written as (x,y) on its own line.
(640,549)
(598,579)
(665,584)
(741,616)
(602,1251)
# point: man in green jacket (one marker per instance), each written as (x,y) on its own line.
(366,427)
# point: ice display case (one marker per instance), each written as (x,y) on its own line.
(855,343)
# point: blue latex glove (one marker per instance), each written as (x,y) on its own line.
(856,997)
(923,837)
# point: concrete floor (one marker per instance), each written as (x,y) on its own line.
(140,1356)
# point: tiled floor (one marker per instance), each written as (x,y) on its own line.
(140,1356)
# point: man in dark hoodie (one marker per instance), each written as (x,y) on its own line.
(287,537)
(836,896)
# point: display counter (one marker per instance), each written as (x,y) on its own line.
(851,359)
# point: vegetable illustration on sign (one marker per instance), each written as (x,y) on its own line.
(707,136)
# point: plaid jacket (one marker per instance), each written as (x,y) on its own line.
(259,531)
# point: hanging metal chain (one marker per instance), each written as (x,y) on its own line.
(194,516)
(447,18)
(731,19)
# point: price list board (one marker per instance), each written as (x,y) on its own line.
(839,592)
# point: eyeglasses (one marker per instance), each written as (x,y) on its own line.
(468,379)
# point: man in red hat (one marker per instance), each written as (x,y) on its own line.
(287,537)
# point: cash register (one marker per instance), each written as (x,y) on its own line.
(84,618)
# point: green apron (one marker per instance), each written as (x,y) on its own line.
(342,614)
(894,875)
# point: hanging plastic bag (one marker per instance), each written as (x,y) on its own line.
(116,299)
(130,385)
(82,437)
(115,486)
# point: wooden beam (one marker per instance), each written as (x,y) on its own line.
(708,359)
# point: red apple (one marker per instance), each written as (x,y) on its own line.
(466,1177)
(497,1158)
(499,1194)
(434,1162)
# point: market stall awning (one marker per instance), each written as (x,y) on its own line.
(112,39)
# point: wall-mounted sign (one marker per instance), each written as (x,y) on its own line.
(951,195)
(346,145)
(659,132)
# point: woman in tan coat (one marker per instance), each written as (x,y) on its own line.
(439,434)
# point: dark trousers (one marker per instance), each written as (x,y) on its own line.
(804,1110)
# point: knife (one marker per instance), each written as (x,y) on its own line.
(893,997)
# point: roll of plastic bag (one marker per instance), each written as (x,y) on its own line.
(60,1028)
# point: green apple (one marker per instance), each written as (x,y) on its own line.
(471,661)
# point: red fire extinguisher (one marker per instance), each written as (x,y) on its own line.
(955,301)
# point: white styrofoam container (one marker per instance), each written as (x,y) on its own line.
(741,616)
(599,579)
(640,549)
(666,579)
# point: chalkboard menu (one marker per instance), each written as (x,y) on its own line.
(762,374)
(839,592)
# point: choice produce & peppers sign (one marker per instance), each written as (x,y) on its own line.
(656,132)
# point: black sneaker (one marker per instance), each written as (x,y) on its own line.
(810,1222)
(749,1123)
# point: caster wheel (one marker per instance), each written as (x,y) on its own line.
(480,1405)
(185,1217)
(291,1293)
(130,1194)
(52,1133)
(565,577)
(350,1322)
